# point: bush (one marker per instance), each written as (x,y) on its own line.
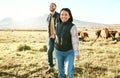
(23,47)
(43,49)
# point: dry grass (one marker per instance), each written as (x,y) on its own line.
(101,60)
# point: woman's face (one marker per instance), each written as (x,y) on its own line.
(64,16)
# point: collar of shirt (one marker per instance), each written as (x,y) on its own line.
(52,13)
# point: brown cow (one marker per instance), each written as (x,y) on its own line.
(104,33)
(112,34)
(82,35)
(117,34)
(97,32)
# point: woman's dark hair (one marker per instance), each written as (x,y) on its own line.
(69,12)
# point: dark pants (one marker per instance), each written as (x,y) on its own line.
(50,52)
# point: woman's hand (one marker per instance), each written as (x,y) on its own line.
(77,57)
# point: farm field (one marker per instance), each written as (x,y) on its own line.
(23,54)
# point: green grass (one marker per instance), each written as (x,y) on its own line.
(100,60)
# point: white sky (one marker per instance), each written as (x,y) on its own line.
(99,11)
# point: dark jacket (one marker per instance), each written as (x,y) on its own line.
(56,14)
(63,41)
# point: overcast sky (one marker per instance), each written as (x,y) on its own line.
(99,11)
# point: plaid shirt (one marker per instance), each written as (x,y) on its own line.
(75,41)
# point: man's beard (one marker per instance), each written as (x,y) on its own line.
(52,10)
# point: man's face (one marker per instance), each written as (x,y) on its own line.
(52,7)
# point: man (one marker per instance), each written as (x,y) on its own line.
(52,20)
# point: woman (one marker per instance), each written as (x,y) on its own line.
(66,44)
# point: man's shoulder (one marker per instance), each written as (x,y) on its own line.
(56,13)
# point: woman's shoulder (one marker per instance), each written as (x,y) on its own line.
(74,27)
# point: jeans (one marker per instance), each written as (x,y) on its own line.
(50,52)
(65,59)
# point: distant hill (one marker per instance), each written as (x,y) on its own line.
(39,23)
(7,23)
(32,23)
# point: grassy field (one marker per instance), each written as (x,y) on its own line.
(23,55)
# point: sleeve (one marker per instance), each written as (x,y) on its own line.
(75,41)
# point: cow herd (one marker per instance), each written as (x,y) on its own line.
(103,33)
